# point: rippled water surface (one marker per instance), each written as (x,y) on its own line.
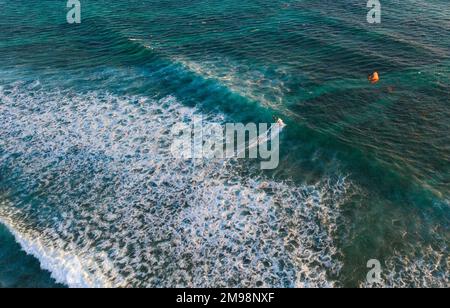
(89,188)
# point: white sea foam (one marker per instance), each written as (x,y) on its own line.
(99,200)
(240,79)
(65,267)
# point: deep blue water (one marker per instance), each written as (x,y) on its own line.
(89,190)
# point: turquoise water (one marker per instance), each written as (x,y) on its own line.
(89,190)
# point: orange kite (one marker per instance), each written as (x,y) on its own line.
(374,78)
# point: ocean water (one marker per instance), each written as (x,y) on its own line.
(90,195)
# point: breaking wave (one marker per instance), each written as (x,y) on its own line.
(90,188)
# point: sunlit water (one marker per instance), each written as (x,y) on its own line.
(90,190)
